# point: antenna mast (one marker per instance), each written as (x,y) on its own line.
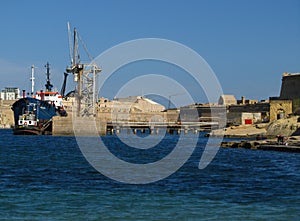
(32,79)
(48,85)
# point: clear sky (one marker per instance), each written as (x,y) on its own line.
(248,43)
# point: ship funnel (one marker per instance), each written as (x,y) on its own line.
(42,95)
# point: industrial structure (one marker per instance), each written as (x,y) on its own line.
(86,77)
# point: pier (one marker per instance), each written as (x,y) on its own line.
(63,126)
(157,127)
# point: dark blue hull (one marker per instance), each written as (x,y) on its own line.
(33,116)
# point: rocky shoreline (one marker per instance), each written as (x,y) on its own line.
(265,136)
(291,144)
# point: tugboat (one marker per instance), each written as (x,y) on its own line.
(33,115)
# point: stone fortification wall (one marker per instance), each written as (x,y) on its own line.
(198,112)
(280,109)
(6,114)
(168,116)
(250,108)
(63,126)
(290,86)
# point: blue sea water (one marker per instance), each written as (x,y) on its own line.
(47,178)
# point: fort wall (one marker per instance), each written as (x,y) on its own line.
(290,86)
(6,114)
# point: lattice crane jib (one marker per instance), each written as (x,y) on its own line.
(86,77)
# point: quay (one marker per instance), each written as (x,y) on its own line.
(156,127)
(63,126)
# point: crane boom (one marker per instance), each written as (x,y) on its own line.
(70,43)
(85,48)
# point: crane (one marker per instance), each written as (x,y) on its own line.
(63,88)
(84,75)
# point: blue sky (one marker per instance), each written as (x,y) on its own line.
(248,43)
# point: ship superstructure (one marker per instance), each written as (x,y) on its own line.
(33,115)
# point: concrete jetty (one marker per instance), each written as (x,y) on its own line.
(64,126)
(84,126)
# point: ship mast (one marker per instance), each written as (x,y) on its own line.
(32,79)
(48,85)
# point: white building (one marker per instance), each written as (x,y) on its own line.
(10,93)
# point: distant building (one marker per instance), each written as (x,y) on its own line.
(227,100)
(246,101)
(133,108)
(258,112)
(130,104)
(203,113)
(280,109)
(10,93)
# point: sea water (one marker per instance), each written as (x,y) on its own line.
(48,178)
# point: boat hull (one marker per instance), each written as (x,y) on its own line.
(27,131)
(33,117)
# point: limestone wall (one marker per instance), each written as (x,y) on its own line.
(6,114)
(250,108)
(280,109)
(168,116)
(63,126)
(131,104)
(290,86)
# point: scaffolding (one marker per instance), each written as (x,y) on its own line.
(86,93)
